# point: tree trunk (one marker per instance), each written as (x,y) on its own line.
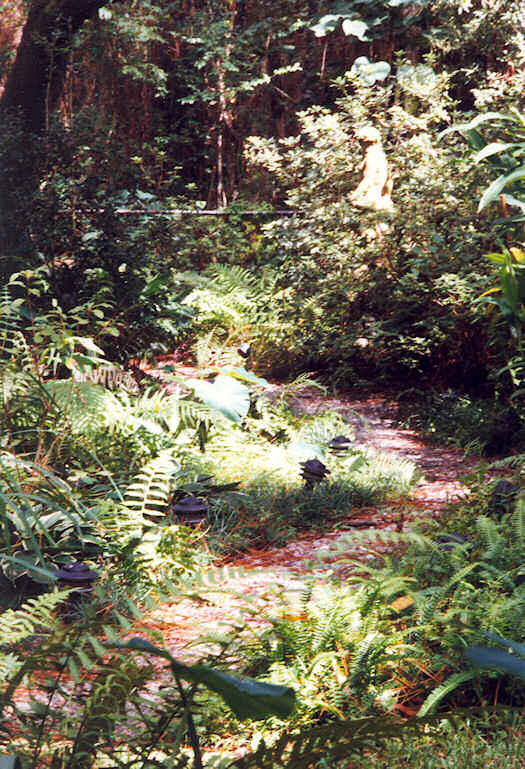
(30,95)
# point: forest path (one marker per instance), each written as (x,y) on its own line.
(259,577)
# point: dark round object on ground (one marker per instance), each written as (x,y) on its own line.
(450,541)
(314,472)
(190,511)
(76,574)
(340,443)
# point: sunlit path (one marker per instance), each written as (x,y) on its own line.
(259,576)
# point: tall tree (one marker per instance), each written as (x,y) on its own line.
(31,92)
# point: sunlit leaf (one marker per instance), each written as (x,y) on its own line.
(497,186)
(355,28)
(369,72)
(226,394)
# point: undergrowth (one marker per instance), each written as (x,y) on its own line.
(479,426)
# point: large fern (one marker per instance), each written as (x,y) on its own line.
(78,691)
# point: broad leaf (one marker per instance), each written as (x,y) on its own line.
(476,140)
(326,24)
(496,258)
(246,698)
(512,201)
(499,659)
(369,72)
(479,120)
(27,564)
(494,148)
(225,394)
(355,28)
(497,186)
(306,449)
(246,376)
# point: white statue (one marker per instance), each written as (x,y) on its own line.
(375,187)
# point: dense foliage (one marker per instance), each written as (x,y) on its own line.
(180,178)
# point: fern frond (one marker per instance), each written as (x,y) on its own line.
(458,577)
(10,324)
(36,615)
(334,742)
(149,493)
(81,406)
(444,689)
(490,537)
(112,377)
(188,414)
(369,536)
(386,465)
(518,523)
(508,463)
(9,665)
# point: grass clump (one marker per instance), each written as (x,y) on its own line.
(494,743)
(272,501)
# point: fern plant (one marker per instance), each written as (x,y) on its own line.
(333,647)
(231,305)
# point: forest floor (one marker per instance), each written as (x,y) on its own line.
(253,583)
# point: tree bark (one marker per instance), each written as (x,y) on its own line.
(31,92)
(36,78)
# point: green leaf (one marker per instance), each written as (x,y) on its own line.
(512,201)
(28,566)
(93,235)
(89,344)
(444,689)
(247,698)
(496,258)
(497,186)
(246,376)
(494,148)
(225,394)
(476,140)
(326,24)
(479,120)
(306,450)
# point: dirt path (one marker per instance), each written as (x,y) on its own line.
(263,574)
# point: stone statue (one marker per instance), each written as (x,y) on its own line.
(375,187)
